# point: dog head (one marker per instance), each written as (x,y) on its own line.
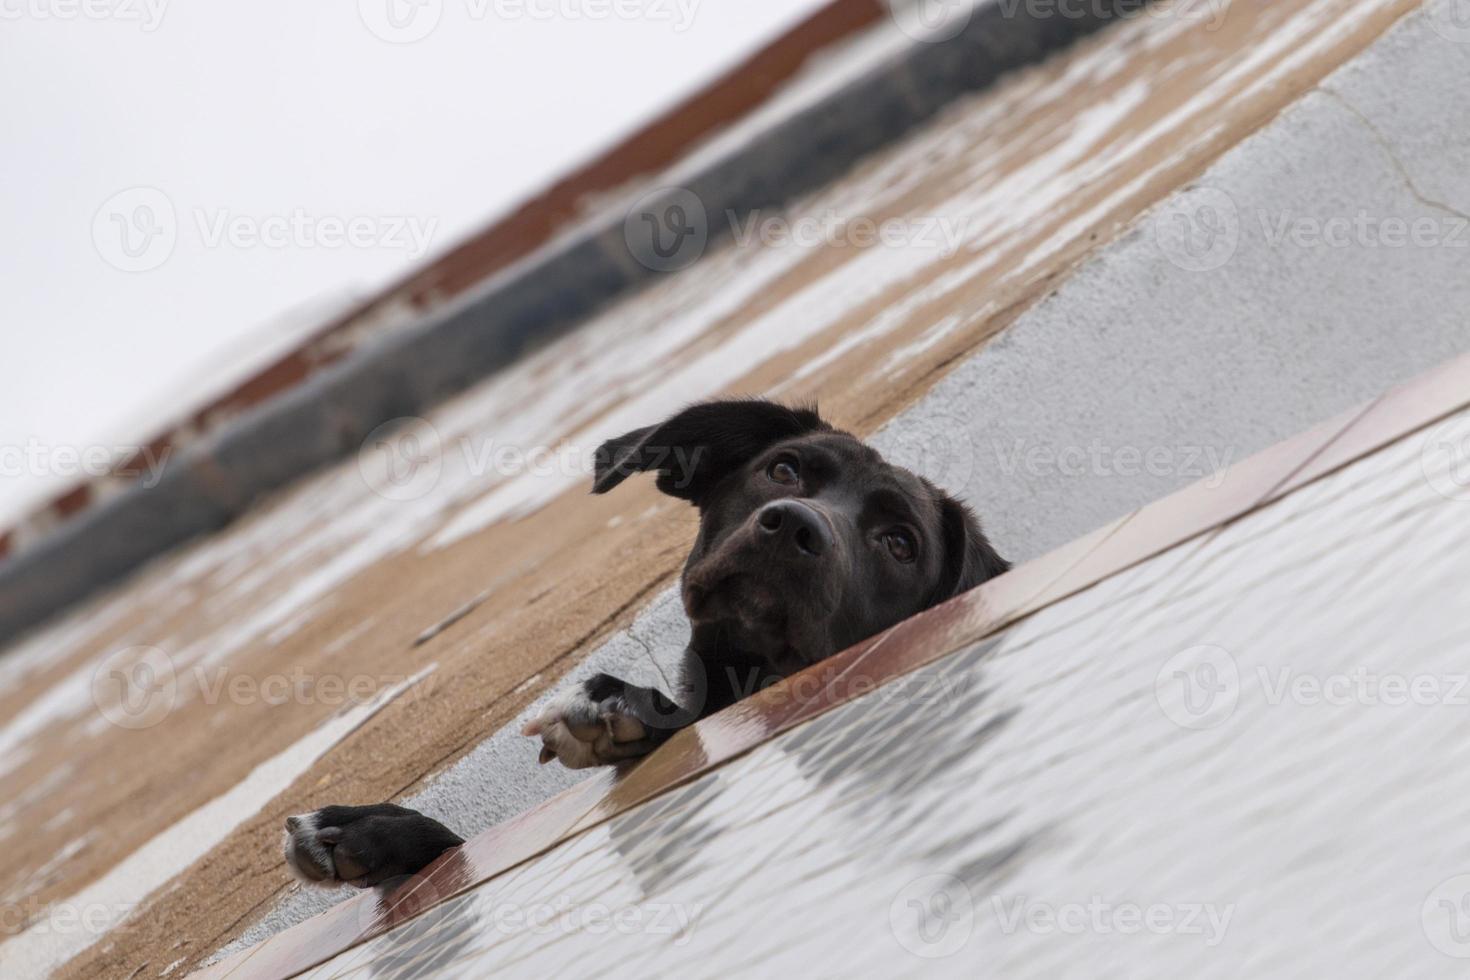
(808,540)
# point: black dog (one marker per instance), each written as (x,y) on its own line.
(808,543)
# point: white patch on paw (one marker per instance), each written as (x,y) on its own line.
(305,856)
(624,727)
(570,751)
(581,733)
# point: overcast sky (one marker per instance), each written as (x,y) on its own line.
(177,174)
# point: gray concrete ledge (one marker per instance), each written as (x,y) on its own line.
(1147,349)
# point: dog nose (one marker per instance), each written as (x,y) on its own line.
(792,521)
(292,823)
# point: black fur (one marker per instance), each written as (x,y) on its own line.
(808,543)
(366,845)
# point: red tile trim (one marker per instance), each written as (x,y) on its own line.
(370,914)
(928,637)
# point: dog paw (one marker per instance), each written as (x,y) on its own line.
(363,846)
(582,730)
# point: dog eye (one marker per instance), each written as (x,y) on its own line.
(901,545)
(784,471)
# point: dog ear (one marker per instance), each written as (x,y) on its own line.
(695,449)
(969,558)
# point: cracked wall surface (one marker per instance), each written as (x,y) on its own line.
(1264,335)
(1031,370)
(1213,360)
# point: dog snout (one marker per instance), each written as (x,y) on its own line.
(796,525)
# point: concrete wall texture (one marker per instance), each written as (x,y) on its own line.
(1322,261)
(1298,307)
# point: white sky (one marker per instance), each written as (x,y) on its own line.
(287,109)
